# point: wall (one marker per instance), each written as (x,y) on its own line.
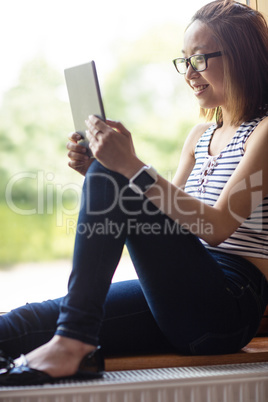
(261,5)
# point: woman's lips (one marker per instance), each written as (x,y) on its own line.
(198,89)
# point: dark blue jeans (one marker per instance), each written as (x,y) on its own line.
(187,299)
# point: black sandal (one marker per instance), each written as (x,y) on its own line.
(91,366)
(6,362)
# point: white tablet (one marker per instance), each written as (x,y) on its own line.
(84,96)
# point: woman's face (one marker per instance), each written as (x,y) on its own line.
(207,85)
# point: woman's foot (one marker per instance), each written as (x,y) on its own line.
(60,357)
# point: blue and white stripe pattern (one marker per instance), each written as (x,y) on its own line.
(207,180)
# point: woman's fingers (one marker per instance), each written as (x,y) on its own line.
(110,142)
(76,151)
(74,147)
(97,125)
(118,126)
(74,137)
(98,129)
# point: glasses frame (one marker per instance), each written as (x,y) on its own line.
(188,61)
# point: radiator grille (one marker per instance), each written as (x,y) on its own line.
(228,383)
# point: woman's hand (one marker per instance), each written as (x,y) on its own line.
(111,144)
(79,159)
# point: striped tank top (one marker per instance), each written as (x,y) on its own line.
(207,180)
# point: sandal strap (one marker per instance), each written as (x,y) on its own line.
(21,361)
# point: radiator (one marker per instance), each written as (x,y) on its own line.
(228,383)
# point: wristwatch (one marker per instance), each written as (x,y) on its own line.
(143,179)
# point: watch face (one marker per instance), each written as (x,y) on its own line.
(144,180)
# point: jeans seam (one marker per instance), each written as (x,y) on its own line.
(193,345)
(81,335)
(126,315)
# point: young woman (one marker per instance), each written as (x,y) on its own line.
(199,245)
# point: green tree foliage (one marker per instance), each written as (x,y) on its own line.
(141,89)
(146,93)
(34,123)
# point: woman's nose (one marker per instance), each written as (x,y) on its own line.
(190,72)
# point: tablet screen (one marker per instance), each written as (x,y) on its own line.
(84,94)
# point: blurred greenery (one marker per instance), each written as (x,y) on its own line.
(34,238)
(39,194)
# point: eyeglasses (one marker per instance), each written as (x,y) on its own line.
(197,61)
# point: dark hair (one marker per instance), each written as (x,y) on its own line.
(242,35)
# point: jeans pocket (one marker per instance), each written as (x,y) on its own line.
(212,343)
(255,296)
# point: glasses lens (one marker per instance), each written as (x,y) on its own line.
(198,62)
(181,65)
